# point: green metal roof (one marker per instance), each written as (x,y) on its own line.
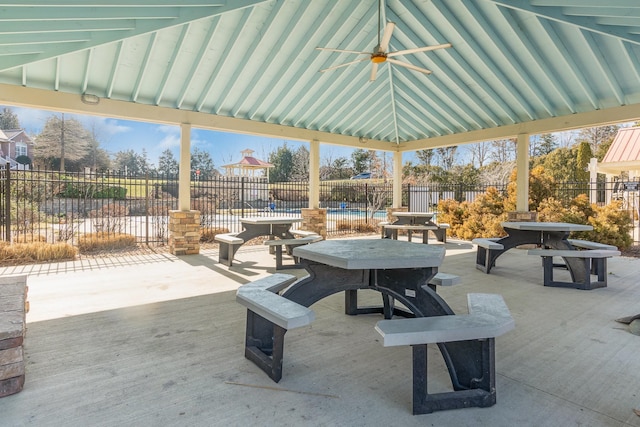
(514,66)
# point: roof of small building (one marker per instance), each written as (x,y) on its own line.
(10,134)
(248,161)
(624,153)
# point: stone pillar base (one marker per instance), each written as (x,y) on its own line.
(315,220)
(184,232)
(522,216)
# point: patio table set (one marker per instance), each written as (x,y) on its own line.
(414,313)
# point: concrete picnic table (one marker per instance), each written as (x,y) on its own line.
(400,271)
(551,235)
(267,226)
(407,219)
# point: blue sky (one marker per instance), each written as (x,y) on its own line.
(120,135)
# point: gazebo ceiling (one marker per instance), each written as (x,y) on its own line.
(252,65)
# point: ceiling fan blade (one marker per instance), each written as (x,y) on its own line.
(343,51)
(386,36)
(374,71)
(344,65)
(407,65)
(419,49)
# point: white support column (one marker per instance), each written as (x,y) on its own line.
(522,178)
(609,184)
(314,174)
(397,179)
(184,179)
(593,179)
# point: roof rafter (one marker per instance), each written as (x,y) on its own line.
(143,23)
(553,10)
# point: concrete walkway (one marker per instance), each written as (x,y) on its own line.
(157,340)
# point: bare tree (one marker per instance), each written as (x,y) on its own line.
(447,156)
(480,153)
(425,156)
(300,170)
(504,150)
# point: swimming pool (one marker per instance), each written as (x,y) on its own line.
(334,213)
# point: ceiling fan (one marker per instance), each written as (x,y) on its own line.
(380,53)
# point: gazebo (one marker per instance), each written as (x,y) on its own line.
(248,166)
(389,75)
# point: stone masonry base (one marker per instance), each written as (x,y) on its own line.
(184,232)
(315,220)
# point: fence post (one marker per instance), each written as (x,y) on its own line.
(409,197)
(146,207)
(366,203)
(7,204)
(242,197)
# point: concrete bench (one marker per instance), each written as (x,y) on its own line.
(13,308)
(409,229)
(444,279)
(488,318)
(229,245)
(303,233)
(488,243)
(586,244)
(483,255)
(269,316)
(290,244)
(593,262)
(441,232)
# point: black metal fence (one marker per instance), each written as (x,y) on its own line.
(55,206)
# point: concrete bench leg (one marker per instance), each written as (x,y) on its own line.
(582,274)
(388,308)
(483,259)
(226,253)
(482,390)
(264,345)
(441,235)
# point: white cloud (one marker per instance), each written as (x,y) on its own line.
(169,141)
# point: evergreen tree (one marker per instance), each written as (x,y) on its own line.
(362,160)
(167,163)
(202,161)
(128,162)
(547,144)
(582,162)
(60,140)
(9,120)
(282,161)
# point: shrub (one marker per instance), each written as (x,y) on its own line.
(29,238)
(611,226)
(481,218)
(102,241)
(92,191)
(110,218)
(24,160)
(26,253)
(360,226)
(365,227)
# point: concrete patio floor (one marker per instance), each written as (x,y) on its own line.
(157,340)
